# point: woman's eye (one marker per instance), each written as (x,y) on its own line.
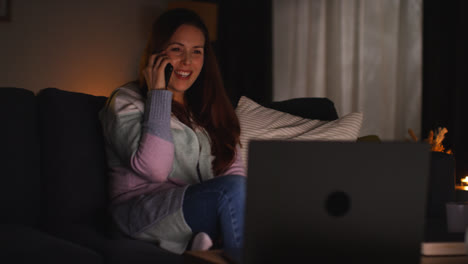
(198,52)
(176,49)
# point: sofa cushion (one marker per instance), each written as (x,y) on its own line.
(19,158)
(23,244)
(73,162)
(121,250)
(258,122)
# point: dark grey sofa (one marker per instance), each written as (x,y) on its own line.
(54,190)
(22,240)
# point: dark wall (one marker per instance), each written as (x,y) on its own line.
(244,48)
(445,75)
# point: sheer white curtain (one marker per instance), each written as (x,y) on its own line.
(365,55)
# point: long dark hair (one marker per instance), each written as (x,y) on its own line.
(206,102)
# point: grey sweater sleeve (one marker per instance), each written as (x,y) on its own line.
(157,119)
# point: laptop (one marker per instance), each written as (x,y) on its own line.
(334,202)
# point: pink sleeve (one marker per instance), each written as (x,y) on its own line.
(155,153)
(153,159)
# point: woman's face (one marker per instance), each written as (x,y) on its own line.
(186,54)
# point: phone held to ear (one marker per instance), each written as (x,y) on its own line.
(167,73)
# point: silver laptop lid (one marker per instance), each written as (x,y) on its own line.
(339,201)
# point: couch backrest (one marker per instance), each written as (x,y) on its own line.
(320,108)
(19,158)
(307,107)
(73,162)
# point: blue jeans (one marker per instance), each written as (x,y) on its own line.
(217,206)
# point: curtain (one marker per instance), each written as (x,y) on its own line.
(364,55)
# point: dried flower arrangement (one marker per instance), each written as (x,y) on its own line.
(434,139)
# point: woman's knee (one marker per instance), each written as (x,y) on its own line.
(235,184)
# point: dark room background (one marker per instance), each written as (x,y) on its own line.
(445,75)
(244,49)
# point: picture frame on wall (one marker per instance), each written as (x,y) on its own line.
(5,10)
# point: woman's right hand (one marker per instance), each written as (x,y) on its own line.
(154,71)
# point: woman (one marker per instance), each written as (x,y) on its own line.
(176,176)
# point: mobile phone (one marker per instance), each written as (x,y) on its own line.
(168,73)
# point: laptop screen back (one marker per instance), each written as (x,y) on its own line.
(337,201)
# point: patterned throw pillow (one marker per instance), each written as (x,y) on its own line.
(259,122)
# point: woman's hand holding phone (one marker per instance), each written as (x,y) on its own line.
(158,71)
(167,73)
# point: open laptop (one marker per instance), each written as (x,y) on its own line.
(334,202)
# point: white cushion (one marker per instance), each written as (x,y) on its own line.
(258,122)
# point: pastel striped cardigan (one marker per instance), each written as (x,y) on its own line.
(150,151)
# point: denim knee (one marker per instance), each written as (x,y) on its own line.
(234,184)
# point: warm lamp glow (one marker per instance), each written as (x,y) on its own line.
(207,11)
(461,187)
(465,180)
(464,184)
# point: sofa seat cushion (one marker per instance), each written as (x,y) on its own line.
(116,250)
(24,244)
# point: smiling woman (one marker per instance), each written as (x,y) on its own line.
(174,149)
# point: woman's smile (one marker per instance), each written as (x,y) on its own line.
(183,75)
